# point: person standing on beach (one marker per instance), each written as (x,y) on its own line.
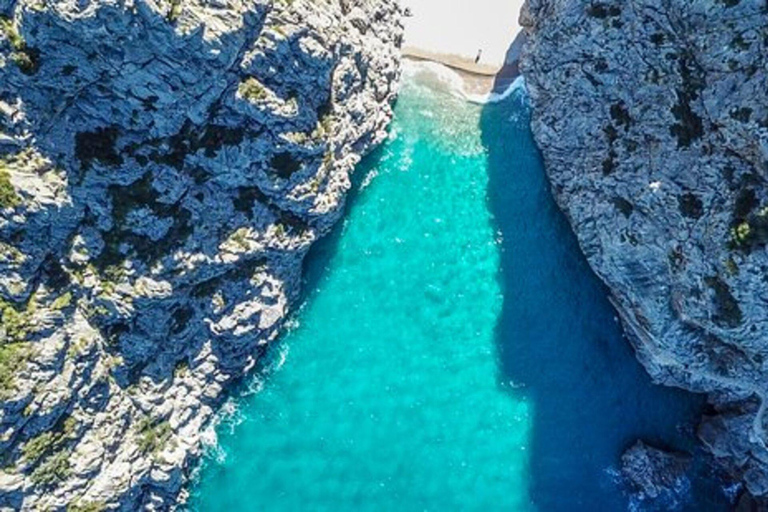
(479,54)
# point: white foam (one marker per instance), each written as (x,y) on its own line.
(433,75)
(369,179)
(230,415)
(495,97)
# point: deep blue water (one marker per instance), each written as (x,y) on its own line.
(558,335)
(454,351)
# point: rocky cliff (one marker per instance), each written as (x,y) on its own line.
(652,118)
(164,167)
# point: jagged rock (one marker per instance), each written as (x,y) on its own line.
(654,474)
(652,118)
(164,168)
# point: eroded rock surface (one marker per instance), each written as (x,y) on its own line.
(655,475)
(652,117)
(164,168)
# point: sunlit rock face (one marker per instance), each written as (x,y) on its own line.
(164,168)
(652,119)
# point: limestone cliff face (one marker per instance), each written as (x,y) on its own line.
(164,168)
(652,117)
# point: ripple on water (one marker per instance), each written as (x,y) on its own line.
(397,390)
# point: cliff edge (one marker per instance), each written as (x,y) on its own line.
(652,118)
(164,167)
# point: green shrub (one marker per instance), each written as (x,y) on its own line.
(34,449)
(252,90)
(62,301)
(25,60)
(327,123)
(152,436)
(13,358)
(741,234)
(90,506)
(68,428)
(10,254)
(240,237)
(76,347)
(9,30)
(53,470)
(14,322)
(175,11)
(8,196)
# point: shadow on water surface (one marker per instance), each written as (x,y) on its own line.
(321,253)
(560,346)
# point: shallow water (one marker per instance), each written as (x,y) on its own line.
(454,351)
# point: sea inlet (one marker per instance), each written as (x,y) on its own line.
(453,350)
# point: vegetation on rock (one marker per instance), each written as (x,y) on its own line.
(252,90)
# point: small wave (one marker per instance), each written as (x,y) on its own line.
(282,356)
(495,97)
(256,385)
(433,75)
(212,450)
(231,414)
(208,437)
(369,179)
(228,415)
(612,476)
(292,323)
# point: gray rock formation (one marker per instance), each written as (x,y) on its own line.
(164,167)
(655,475)
(652,117)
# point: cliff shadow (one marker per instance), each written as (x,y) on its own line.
(560,346)
(317,261)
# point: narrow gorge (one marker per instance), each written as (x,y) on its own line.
(364,255)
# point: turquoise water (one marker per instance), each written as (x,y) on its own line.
(453,353)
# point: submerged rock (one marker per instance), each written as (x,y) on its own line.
(655,474)
(164,168)
(652,118)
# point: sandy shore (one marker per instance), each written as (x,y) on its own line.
(455,33)
(463,27)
